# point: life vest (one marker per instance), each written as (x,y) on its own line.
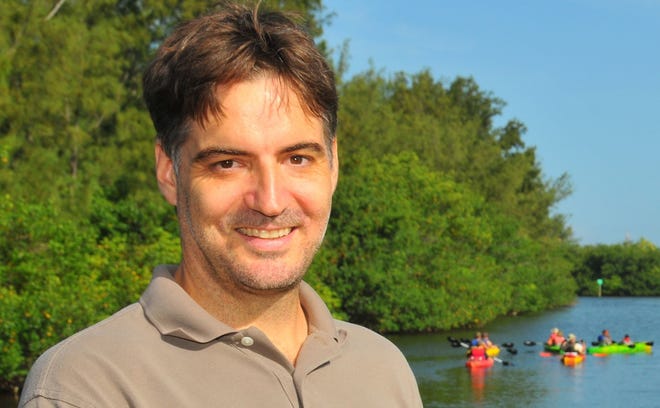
(478,353)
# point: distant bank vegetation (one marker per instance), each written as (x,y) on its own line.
(626,269)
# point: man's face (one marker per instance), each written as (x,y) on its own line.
(254,189)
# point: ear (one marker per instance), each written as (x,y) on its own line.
(335,165)
(165,174)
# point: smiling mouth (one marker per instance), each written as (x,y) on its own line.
(265,234)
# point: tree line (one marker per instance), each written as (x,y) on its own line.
(441,219)
(625,269)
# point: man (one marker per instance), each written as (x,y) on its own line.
(245,110)
(477,338)
(604,338)
(571,345)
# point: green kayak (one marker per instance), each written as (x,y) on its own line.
(553,349)
(639,347)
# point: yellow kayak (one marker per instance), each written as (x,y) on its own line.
(572,358)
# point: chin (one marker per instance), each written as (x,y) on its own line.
(267,280)
(271,287)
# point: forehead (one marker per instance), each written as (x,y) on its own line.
(264,97)
(264,108)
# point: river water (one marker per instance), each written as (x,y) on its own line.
(531,380)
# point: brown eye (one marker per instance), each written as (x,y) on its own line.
(298,159)
(225,164)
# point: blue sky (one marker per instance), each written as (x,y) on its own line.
(582,75)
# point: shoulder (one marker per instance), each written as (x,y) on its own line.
(75,363)
(108,333)
(368,343)
(361,334)
(372,355)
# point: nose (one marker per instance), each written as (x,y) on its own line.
(269,193)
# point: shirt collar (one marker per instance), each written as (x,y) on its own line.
(174,313)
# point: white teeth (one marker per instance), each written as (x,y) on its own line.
(266,234)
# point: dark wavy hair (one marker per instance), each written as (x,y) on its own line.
(232,44)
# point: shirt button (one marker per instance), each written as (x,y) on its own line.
(247,341)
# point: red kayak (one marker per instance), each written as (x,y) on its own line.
(479,362)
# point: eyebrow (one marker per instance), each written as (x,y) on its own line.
(204,154)
(304,146)
(212,151)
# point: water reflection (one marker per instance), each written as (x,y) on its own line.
(494,386)
(478,381)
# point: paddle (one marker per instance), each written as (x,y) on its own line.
(457,342)
(532,343)
(454,342)
(632,345)
(506,363)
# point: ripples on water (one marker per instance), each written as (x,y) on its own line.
(534,381)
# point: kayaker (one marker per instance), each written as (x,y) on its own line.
(486,340)
(477,338)
(552,340)
(478,351)
(571,345)
(559,339)
(604,339)
(627,341)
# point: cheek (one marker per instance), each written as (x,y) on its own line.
(208,200)
(314,200)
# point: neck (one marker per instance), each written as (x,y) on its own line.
(278,314)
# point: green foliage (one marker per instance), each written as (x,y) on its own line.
(59,275)
(627,269)
(409,249)
(514,253)
(451,129)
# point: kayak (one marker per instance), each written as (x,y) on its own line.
(552,349)
(639,347)
(493,351)
(572,358)
(479,362)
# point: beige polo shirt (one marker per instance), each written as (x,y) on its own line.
(166,351)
